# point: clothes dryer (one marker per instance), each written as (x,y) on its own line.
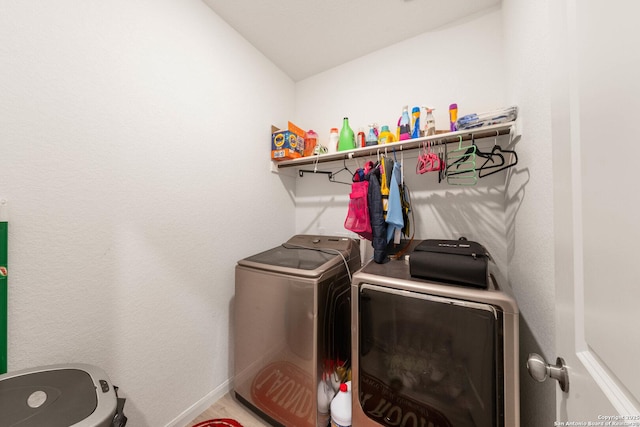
(433,353)
(292,330)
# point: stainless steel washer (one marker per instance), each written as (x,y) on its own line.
(292,325)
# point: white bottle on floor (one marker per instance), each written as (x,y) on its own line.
(325,395)
(341,407)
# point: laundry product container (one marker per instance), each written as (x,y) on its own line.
(77,395)
(292,326)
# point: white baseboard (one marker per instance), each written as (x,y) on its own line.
(201,405)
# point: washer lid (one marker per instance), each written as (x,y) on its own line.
(287,257)
(303,255)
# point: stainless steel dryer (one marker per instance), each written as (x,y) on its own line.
(429,353)
(292,325)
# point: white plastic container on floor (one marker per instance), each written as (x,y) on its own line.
(325,395)
(341,407)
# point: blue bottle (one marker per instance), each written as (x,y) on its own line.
(405,124)
(415,125)
(372,138)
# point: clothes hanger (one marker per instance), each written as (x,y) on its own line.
(301,172)
(497,154)
(493,156)
(428,161)
(480,153)
(332,177)
(435,160)
(422,159)
(472,149)
(330,174)
(464,160)
(442,154)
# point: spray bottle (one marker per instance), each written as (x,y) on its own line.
(430,122)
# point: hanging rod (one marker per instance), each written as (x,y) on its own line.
(301,172)
(409,144)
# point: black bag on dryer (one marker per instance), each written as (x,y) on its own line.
(461,262)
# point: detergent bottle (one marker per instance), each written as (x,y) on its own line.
(360,138)
(372,138)
(405,124)
(453,117)
(341,407)
(347,139)
(385,137)
(415,122)
(333,140)
(310,142)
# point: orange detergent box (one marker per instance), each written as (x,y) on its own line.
(287,144)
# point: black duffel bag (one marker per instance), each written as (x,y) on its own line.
(461,262)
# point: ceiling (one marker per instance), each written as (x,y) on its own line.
(306,37)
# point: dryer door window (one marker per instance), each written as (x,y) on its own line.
(427,359)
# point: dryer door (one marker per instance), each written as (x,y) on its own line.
(428,359)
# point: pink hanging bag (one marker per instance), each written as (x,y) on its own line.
(358,214)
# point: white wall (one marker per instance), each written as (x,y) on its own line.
(462,63)
(529,203)
(134,150)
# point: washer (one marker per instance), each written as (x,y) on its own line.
(292,325)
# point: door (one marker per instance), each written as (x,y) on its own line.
(595,101)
